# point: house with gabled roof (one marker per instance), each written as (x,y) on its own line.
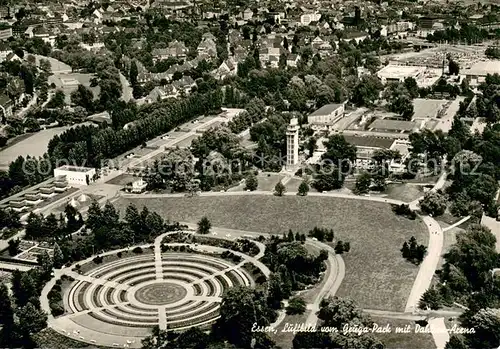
(185,84)
(6,105)
(207,48)
(227,68)
(160,93)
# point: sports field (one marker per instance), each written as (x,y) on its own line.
(377,277)
(35,145)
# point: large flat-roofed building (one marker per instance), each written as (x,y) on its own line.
(398,73)
(476,74)
(326,116)
(75,174)
(399,126)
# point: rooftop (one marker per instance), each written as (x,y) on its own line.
(326,109)
(74,168)
(484,68)
(392,125)
(370,141)
(399,71)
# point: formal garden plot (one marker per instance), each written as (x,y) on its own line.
(173,290)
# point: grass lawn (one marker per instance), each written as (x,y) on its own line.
(377,276)
(285,339)
(410,340)
(187,141)
(404,192)
(35,145)
(51,339)
(267,182)
(89,266)
(122,179)
(293,185)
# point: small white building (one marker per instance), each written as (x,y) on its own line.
(138,186)
(307,18)
(75,174)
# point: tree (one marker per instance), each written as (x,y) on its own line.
(303,188)
(6,317)
(340,153)
(433,204)
(363,183)
(94,216)
(431,299)
(337,312)
(204,226)
(297,305)
(251,182)
(133,73)
(411,86)
(486,323)
(31,320)
(405,250)
(453,67)
(456,342)
(366,90)
(34,225)
(14,247)
(279,189)
(339,247)
(316,339)
(83,97)
(58,257)
(6,312)
(57,101)
(399,100)
(328,178)
(241,308)
(45,264)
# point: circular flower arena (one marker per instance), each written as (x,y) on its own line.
(117,303)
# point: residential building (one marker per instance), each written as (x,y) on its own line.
(227,68)
(207,48)
(306,19)
(160,93)
(6,105)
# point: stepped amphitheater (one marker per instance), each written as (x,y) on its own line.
(126,298)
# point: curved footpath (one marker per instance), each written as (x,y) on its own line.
(65,326)
(336,267)
(426,271)
(436,239)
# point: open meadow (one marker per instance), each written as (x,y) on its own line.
(377,277)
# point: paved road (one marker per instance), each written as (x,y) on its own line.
(126,89)
(439,332)
(429,264)
(434,249)
(259,192)
(447,119)
(333,279)
(12,267)
(142,161)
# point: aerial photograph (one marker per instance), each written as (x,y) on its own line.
(254,174)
